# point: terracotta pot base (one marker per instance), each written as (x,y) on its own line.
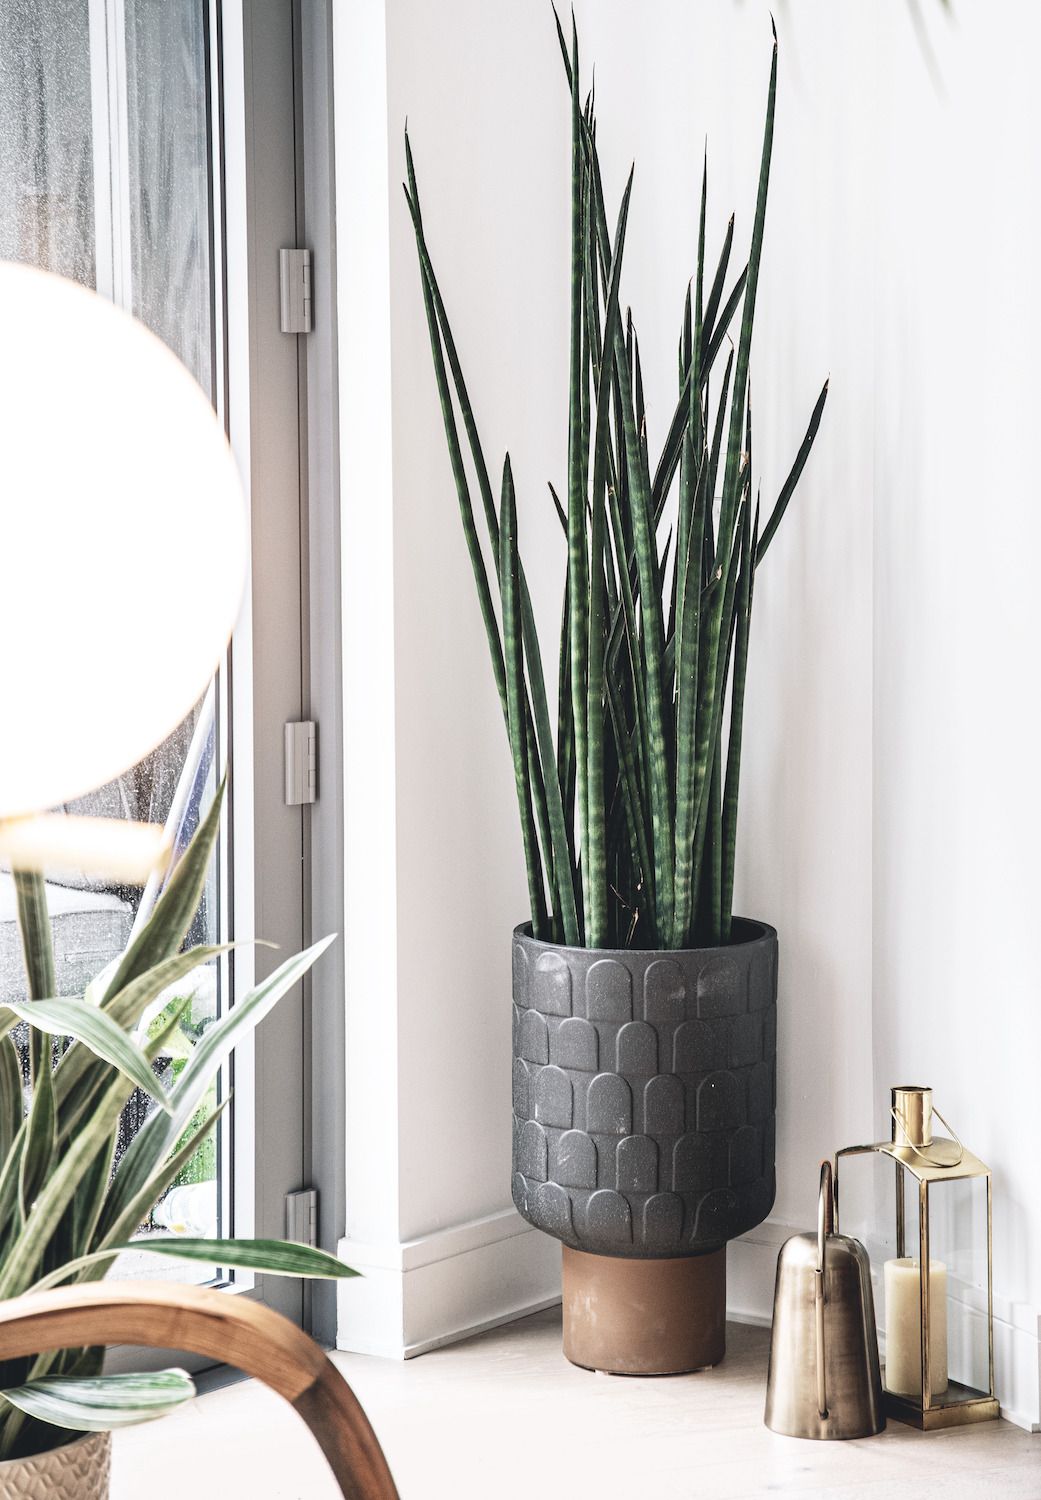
(644,1317)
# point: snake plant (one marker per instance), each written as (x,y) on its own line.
(629,809)
(68,1207)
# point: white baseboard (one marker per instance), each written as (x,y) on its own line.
(751,1270)
(1017,1351)
(419,1294)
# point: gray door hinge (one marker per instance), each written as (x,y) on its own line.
(301,763)
(302,1216)
(295,283)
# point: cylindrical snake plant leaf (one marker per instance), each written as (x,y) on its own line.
(37,953)
(595,851)
(732,472)
(788,488)
(653,640)
(514,658)
(631,804)
(737,712)
(578,561)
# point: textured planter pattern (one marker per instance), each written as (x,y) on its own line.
(643,1093)
(79,1471)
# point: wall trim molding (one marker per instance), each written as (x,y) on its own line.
(441,1244)
(419,1294)
(751,1270)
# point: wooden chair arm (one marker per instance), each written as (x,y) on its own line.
(220,1326)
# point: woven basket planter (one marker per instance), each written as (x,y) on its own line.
(78,1471)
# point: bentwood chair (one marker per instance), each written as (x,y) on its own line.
(233,1330)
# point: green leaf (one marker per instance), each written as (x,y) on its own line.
(40,1140)
(160,1132)
(594,864)
(737,706)
(513,657)
(89,1198)
(275,1257)
(99,986)
(565,758)
(653,641)
(103,1402)
(634,805)
(578,563)
(630,784)
(710,919)
(561,512)
(788,488)
(11,1218)
(563,47)
(716,646)
(689,668)
(128,1005)
(165,931)
(693,339)
(34,924)
(245,1015)
(735,445)
(670,454)
(34,1237)
(473,543)
(98,1032)
(716,290)
(132,1198)
(166,1037)
(126,1008)
(12,1102)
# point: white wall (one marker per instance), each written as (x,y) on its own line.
(958,616)
(865,838)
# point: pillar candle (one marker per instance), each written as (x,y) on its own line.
(904,1327)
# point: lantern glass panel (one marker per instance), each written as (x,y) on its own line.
(958,1239)
(867,1213)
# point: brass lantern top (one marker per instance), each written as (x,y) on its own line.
(923,1167)
(928,1158)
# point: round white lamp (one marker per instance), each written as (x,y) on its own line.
(124,545)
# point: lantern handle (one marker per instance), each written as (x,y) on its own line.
(930,1161)
(824,1224)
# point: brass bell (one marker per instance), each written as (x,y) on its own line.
(824,1379)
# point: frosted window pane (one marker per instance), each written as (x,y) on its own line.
(51,82)
(170,176)
(46,157)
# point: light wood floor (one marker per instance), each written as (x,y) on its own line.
(504,1417)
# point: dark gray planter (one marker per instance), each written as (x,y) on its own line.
(643,1092)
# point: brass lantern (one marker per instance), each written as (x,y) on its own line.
(918,1288)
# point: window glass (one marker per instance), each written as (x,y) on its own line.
(105,177)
